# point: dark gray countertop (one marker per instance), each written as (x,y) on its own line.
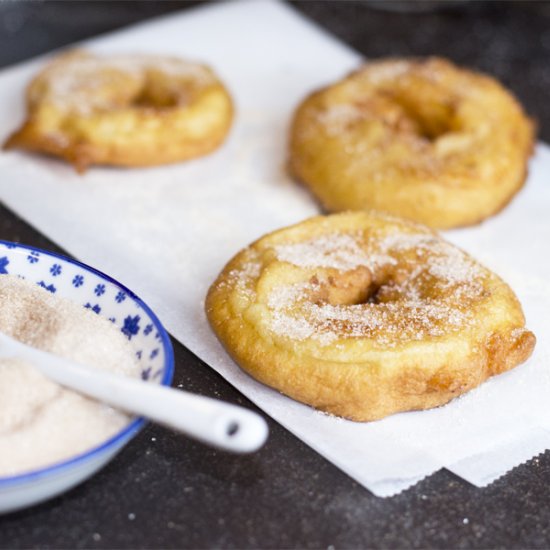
(182,494)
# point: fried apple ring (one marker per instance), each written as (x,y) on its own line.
(422,139)
(124,111)
(363,315)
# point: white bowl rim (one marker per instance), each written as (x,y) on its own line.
(135,425)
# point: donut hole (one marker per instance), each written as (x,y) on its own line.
(430,129)
(155,97)
(374,294)
(385,288)
(430,119)
(354,287)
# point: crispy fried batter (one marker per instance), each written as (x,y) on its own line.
(124,111)
(364,315)
(422,139)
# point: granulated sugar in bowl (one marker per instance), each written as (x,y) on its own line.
(52,438)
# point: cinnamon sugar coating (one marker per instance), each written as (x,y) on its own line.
(422,139)
(133,110)
(364,315)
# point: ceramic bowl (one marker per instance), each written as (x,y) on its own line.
(108,298)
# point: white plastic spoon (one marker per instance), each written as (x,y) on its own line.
(220,424)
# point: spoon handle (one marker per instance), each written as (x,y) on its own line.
(211,421)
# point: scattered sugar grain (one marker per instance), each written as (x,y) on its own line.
(339,251)
(77,84)
(337,118)
(412,316)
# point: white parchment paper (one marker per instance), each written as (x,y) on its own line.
(167,232)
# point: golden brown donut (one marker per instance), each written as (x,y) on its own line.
(133,110)
(364,315)
(422,139)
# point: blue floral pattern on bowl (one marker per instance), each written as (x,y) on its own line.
(108,298)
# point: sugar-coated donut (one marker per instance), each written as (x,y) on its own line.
(422,139)
(364,315)
(134,110)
